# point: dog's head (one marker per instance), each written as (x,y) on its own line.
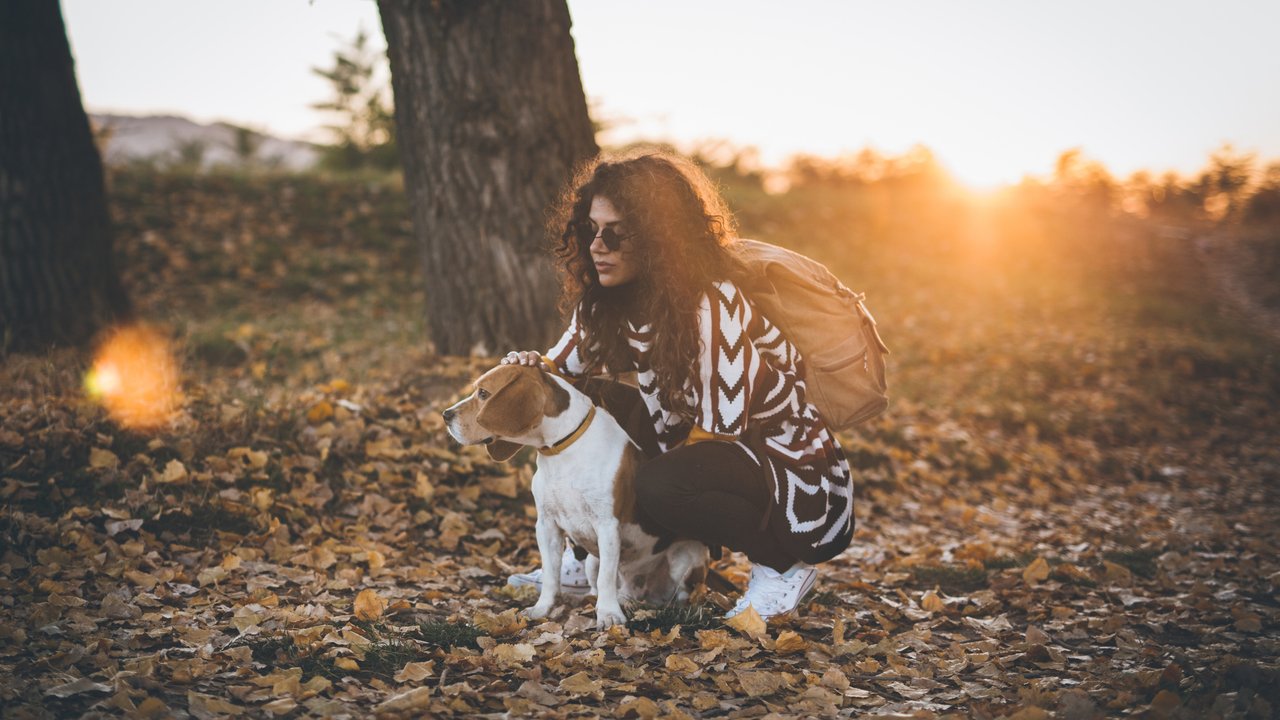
(506,408)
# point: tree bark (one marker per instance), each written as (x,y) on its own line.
(58,282)
(491,120)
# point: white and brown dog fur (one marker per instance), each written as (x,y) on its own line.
(583,488)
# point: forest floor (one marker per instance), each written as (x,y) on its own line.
(1070,509)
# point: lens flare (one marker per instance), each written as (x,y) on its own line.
(135,377)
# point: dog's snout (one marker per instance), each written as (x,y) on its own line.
(448,414)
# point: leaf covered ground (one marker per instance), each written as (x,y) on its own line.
(1069,511)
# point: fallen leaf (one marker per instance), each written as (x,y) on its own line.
(415,671)
(207,707)
(789,642)
(749,623)
(508,622)
(757,683)
(75,687)
(680,664)
(369,605)
(641,707)
(1036,572)
(508,655)
(100,458)
(580,684)
(320,412)
(174,472)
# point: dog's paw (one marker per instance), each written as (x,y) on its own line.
(608,617)
(539,611)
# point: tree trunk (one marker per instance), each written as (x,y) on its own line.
(58,282)
(491,120)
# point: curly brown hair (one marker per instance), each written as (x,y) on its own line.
(680,230)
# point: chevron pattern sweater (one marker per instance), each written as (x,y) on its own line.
(750,380)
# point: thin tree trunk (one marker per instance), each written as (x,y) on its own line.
(58,282)
(491,120)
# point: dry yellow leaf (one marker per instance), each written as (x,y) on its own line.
(376,560)
(99,458)
(508,655)
(347,663)
(835,679)
(1036,572)
(748,622)
(369,605)
(1116,574)
(141,579)
(423,487)
(789,642)
(320,412)
(255,459)
(932,603)
(641,707)
(681,664)
(759,682)
(580,684)
(508,622)
(262,498)
(1036,636)
(416,671)
(504,485)
(408,701)
(174,472)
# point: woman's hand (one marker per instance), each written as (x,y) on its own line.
(522,357)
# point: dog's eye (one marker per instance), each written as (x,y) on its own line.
(482,394)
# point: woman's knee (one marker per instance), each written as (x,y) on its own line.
(657,484)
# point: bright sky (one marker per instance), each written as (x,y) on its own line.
(995,88)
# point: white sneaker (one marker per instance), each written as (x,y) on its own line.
(573,576)
(773,593)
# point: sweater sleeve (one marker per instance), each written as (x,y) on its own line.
(565,357)
(728,365)
(741,375)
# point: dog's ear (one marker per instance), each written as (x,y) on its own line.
(557,398)
(515,408)
(501,450)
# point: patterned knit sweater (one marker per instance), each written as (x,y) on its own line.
(750,392)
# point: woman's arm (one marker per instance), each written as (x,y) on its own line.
(735,374)
(563,358)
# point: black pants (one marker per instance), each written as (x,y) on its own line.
(711,491)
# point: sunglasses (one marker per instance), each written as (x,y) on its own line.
(611,238)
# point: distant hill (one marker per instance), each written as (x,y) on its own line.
(169,140)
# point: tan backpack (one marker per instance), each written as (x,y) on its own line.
(830,326)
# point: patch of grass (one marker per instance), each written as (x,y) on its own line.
(647,618)
(1141,562)
(279,651)
(448,635)
(387,656)
(951,579)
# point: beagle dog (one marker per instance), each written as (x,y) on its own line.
(583,488)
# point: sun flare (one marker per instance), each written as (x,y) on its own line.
(135,377)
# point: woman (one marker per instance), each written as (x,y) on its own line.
(738,457)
